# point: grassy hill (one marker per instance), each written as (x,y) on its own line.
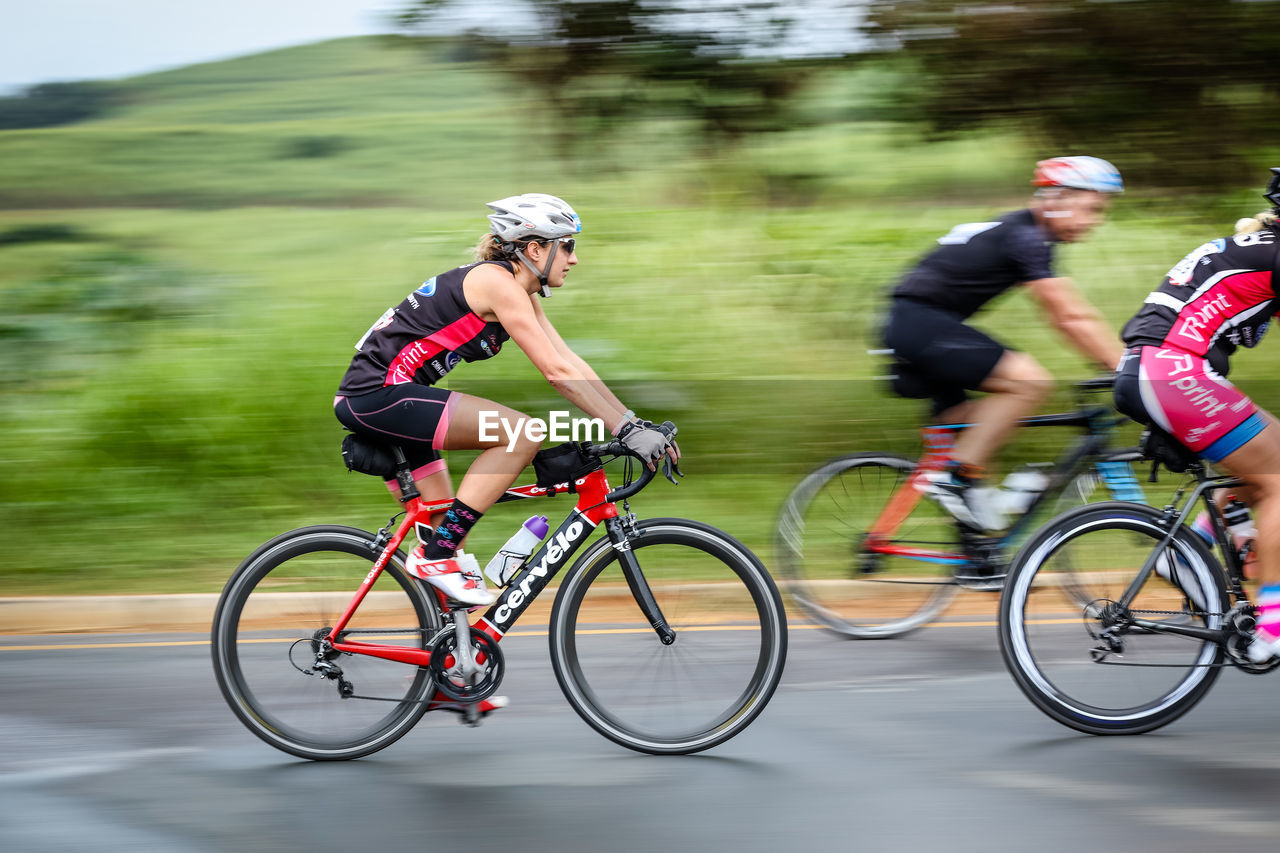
(183,280)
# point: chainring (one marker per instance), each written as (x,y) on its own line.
(443,667)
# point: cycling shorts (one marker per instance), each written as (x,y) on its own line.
(416,417)
(938,356)
(1180,393)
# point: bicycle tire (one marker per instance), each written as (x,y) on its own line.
(1094,552)
(838,585)
(712,681)
(289,589)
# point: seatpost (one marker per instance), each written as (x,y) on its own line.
(404,476)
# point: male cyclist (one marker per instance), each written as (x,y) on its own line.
(940,357)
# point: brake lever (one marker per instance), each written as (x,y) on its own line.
(668,466)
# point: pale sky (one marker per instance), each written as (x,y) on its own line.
(46,40)
(53,40)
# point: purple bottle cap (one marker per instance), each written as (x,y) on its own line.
(538,526)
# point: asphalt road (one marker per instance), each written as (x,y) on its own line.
(123,743)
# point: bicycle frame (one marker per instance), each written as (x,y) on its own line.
(595,506)
(1113,467)
(1204,489)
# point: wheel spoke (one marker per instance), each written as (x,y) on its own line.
(293,589)
(1064,629)
(834,579)
(706,686)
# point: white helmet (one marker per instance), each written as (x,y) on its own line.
(1078,173)
(532,215)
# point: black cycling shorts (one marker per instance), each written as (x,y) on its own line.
(938,357)
(414,416)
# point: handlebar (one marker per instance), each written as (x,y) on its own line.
(617,448)
(1104,382)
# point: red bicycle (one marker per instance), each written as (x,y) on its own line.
(666,636)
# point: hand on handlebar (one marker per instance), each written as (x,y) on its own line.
(673,452)
(650,443)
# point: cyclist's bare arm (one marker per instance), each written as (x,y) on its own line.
(1077,319)
(592,377)
(572,357)
(494,295)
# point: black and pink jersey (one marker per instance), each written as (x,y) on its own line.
(424,337)
(1219,297)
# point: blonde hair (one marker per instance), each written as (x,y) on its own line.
(1250,224)
(490,248)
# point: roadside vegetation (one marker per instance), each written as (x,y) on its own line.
(184,274)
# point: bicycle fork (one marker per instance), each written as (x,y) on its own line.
(620,538)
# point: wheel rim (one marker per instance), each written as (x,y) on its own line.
(705,687)
(1054,604)
(832,576)
(292,592)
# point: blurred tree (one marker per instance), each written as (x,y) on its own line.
(601,61)
(1175,92)
(50,104)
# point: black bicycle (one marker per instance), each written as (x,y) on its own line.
(1117,618)
(864,554)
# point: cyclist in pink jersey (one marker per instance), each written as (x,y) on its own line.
(466,314)
(1218,298)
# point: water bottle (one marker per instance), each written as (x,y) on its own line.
(1020,489)
(1241,528)
(511,556)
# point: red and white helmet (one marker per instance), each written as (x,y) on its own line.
(1078,173)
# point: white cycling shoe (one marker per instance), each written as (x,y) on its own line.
(973,506)
(1264,647)
(458,577)
(1176,571)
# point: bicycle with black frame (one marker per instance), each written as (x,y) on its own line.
(865,554)
(1118,618)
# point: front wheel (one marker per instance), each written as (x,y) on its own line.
(271,663)
(1069,632)
(708,684)
(833,575)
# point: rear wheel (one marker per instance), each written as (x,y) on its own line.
(1069,638)
(271,662)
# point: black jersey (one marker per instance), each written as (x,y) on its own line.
(1219,297)
(977,261)
(424,337)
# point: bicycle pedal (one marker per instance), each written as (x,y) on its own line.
(981,583)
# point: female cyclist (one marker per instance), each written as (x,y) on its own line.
(466,314)
(1219,297)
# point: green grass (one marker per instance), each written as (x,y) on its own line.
(167,377)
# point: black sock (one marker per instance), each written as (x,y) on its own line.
(445,539)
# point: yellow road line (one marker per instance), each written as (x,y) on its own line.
(697,629)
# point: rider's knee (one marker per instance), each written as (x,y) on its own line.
(1019,373)
(523,446)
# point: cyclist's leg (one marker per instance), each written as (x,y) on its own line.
(504,456)
(408,416)
(955,357)
(1257,462)
(1016,385)
(1181,393)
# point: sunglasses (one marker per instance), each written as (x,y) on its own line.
(568,243)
